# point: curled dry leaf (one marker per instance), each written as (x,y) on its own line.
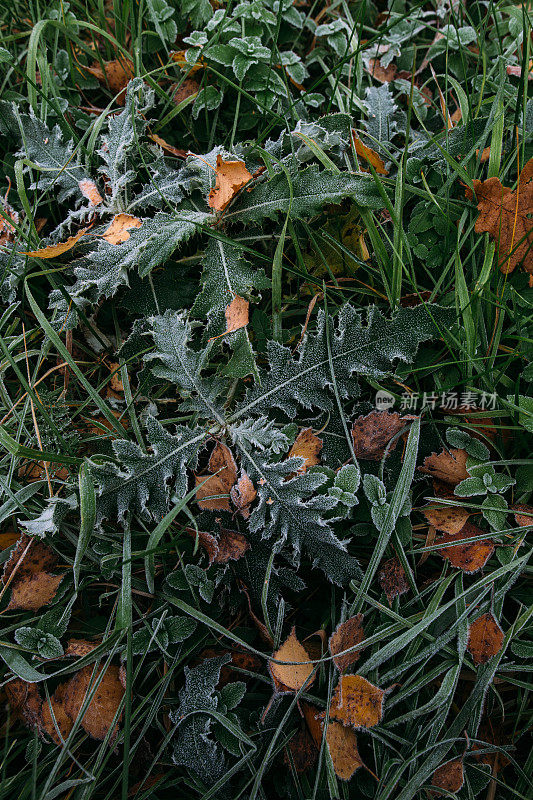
(347,634)
(357,702)
(98,716)
(506,216)
(449,777)
(55,250)
(450,519)
(28,571)
(220,483)
(371,434)
(485,638)
(243,495)
(342,746)
(523,514)
(392,579)
(306,446)
(291,677)
(380,73)
(471,556)
(118,231)
(7,228)
(116,74)
(231,176)
(369,155)
(168,148)
(90,191)
(448,466)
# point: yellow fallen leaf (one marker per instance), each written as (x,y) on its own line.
(231,176)
(291,677)
(118,230)
(55,250)
(369,155)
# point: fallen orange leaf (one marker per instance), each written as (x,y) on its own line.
(89,190)
(471,556)
(369,155)
(291,677)
(118,231)
(219,484)
(55,250)
(357,702)
(449,777)
(506,216)
(448,466)
(485,638)
(346,635)
(342,746)
(116,74)
(231,176)
(307,446)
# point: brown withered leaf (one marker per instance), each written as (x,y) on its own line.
(523,514)
(243,494)
(55,250)
(372,433)
(118,231)
(485,638)
(105,701)
(291,677)
(24,701)
(303,751)
(492,732)
(380,73)
(506,216)
(29,557)
(471,556)
(90,191)
(342,746)
(237,314)
(168,148)
(312,719)
(346,635)
(231,545)
(448,466)
(450,519)
(357,702)
(32,592)
(392,579)
(369,155)
(207,540)
(449,777)
(29,570)
(79,647)
(116,74)
(306,446)
(186,89)
(62,720)
(7,228)
(231,176)
(218,484)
